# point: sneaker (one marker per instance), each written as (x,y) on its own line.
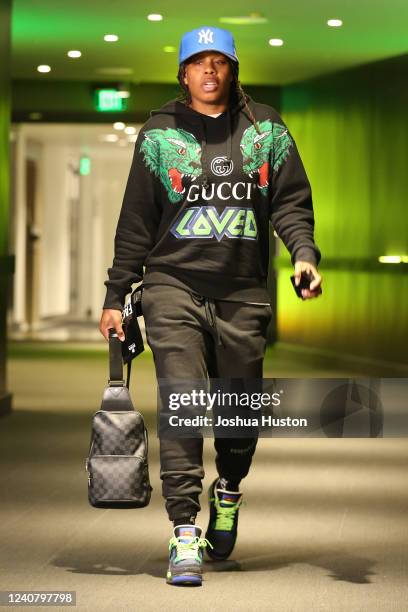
(186,555)
(223,523)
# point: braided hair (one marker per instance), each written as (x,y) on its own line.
(236,92)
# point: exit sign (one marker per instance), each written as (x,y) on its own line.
(109,100)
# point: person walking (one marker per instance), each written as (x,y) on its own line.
(210,170)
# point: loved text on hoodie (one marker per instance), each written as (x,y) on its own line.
(200,195)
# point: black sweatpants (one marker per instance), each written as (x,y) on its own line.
(194,337)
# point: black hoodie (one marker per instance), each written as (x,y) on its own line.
(200,194)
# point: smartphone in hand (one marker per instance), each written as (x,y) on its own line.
(305,280)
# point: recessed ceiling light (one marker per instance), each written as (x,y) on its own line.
(251,19)
(110,138)
(275,42)
(43,68)
(110,38)
(335,23)
(74,54)
(169,49)
(130,130)
(119,125)
(155,17)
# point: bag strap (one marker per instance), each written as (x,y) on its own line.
(116,362)
(129,365)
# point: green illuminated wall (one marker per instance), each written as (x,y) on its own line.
(5,267)
(352,132)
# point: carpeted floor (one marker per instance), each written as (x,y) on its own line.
(324,526)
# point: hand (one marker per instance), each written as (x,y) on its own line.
(315,285)
(111,318)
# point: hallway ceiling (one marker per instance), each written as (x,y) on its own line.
(45,30)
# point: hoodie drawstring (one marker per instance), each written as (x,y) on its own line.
(229,135)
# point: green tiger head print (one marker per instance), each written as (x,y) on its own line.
(172,154)
(272,144)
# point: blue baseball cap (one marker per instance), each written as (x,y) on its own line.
(207,38)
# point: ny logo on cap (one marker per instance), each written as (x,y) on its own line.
(205,36)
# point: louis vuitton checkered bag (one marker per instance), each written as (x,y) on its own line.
(117,464)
